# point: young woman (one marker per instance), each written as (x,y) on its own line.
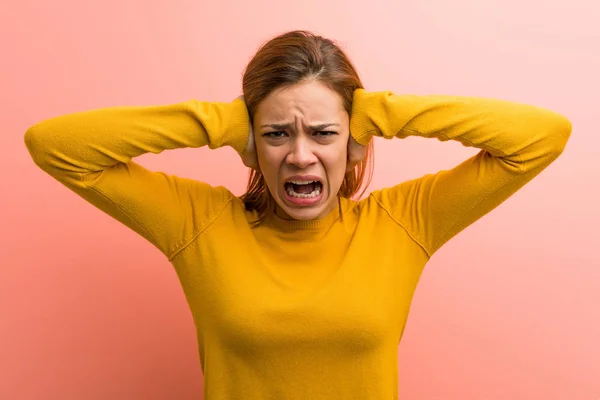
(297,290)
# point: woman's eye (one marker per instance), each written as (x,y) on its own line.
(326,133)
(277,134)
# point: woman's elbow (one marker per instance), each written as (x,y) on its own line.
(561,132)
(35,143)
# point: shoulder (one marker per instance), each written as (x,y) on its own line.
(395,198)
(396,205)
(201,201)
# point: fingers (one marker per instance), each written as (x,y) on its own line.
(249,156)
(356,153)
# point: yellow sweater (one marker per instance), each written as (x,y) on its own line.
(298,309)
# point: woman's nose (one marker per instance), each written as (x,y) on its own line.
(301,154)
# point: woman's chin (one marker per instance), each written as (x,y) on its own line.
(302,213)
(305,214)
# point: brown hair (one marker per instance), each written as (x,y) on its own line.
(285,60)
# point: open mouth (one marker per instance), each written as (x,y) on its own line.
(303,189)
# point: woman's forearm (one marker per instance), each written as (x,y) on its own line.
(516,132)
(71,146)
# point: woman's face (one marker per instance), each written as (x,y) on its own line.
(301,135)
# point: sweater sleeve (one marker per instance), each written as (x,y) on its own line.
(91,153)
(517,142)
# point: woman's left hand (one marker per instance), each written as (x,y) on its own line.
(356,153)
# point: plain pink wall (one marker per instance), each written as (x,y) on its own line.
(507,310)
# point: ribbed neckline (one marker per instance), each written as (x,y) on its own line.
(314,224)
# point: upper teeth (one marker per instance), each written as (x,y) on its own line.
(301,182)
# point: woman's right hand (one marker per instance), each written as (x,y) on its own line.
(249,157)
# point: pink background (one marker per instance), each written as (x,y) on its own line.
(509,309)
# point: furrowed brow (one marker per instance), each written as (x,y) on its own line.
(318,127)
(277,126)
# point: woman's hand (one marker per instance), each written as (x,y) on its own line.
(356,153)
(248,156)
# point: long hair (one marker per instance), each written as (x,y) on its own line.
(292,58)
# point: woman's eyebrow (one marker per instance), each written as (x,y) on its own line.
(316,127)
